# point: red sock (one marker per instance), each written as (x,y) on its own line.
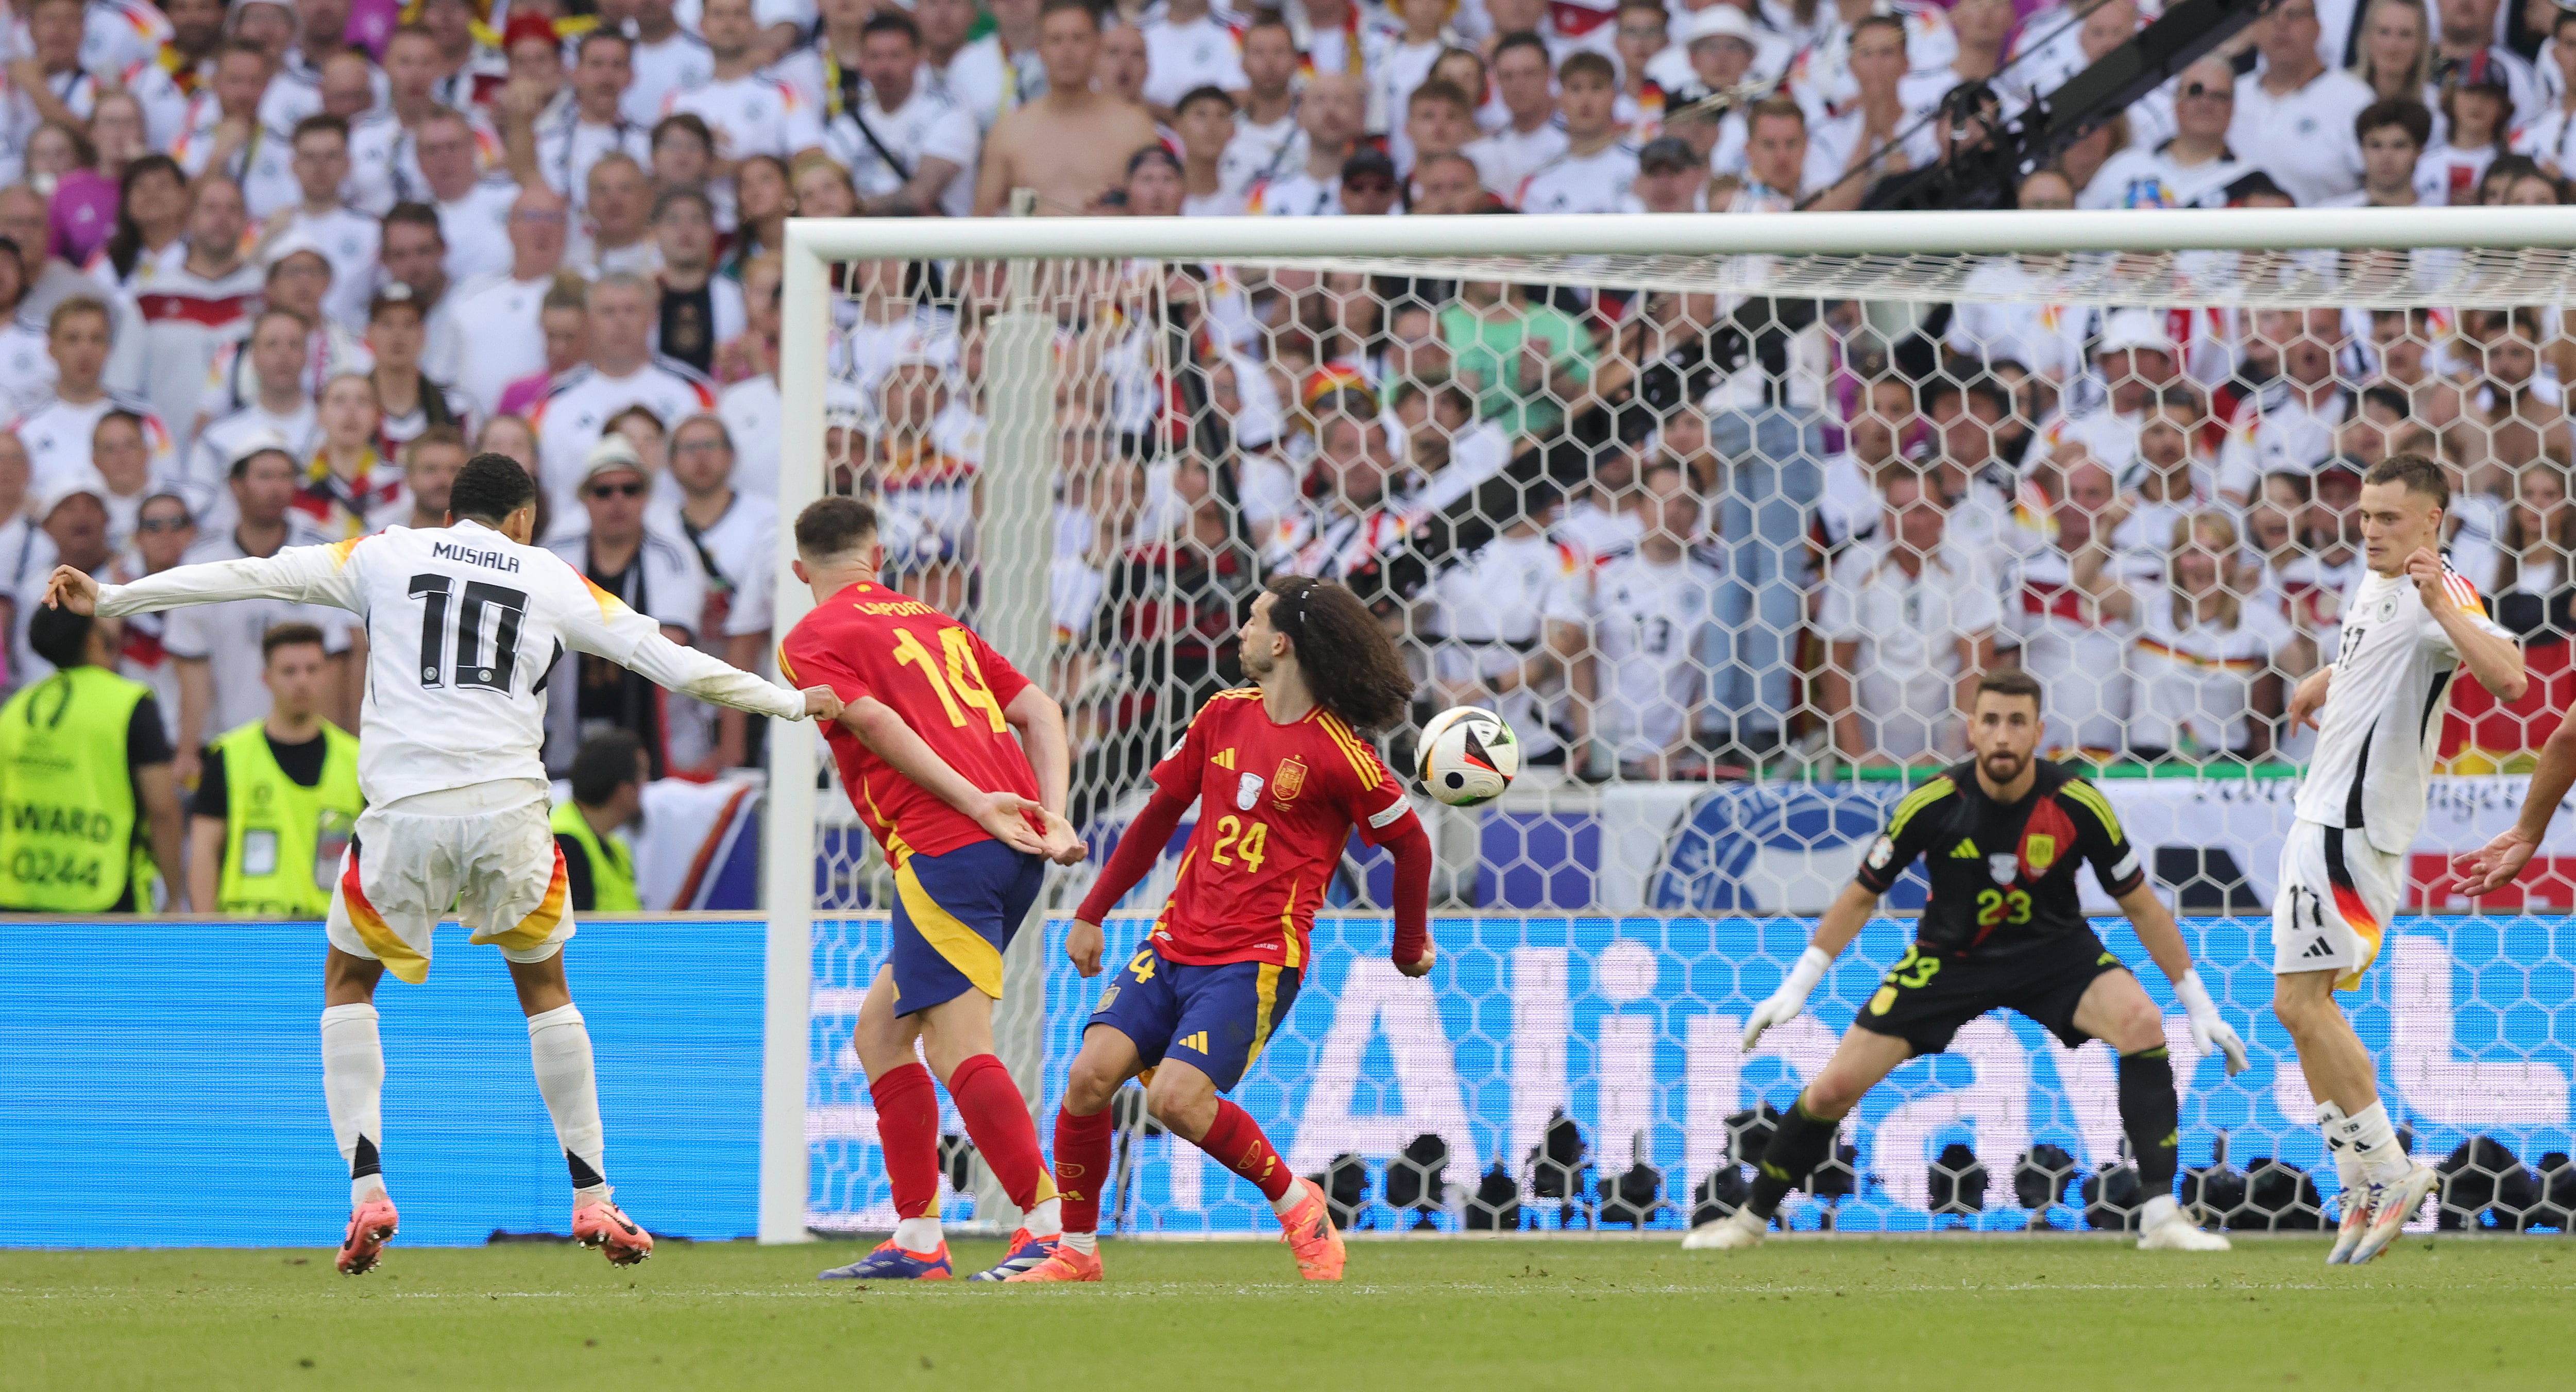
(908,1130)
(1082,1166)
(997,1120)
(1237,1143)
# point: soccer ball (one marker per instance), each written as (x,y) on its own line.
(1469,756)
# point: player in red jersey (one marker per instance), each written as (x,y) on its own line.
(1282,779)
(968,818)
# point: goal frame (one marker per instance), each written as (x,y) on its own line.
(1019,434)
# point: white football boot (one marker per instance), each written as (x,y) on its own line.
(1737,1230)
(2392,1207)
(2162,1227)
(2354,1225)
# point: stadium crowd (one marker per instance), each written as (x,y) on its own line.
(273,271)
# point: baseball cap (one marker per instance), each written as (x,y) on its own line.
(1667,152)
(1717,22)
(298,240)
(527,26)
(610,453)
(1368,161)
(68,487)
(258,442)
(844,407)
(2128,330)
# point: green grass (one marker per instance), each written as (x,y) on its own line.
(1496,1316)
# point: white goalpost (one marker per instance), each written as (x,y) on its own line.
(1037,340)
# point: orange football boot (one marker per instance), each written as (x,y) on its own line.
(1308,1231)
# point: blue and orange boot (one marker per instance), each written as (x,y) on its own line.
(892,1263)
(1028,1252)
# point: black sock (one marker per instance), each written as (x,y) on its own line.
(1799,1144)
(2152,1117)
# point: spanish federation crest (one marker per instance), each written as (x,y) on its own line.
(1288,780)
(1247,791)
(2039,849)
(2003,865)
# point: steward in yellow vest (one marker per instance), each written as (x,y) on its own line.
(278,797)
(85,776)
(608,777)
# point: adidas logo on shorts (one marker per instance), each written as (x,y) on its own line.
(2319,948)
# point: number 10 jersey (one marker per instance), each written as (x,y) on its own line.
(463,626)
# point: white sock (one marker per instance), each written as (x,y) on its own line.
(917,1234)
(1287,1203)
(1087,1243)
(559,1052)
(353,1085)
(2373,1142)
(1045,1220)
(2160,1209)
(2330,1120)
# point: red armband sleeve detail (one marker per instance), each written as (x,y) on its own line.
(1138,848)
(1412,894)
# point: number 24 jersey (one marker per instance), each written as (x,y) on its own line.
(1277,803)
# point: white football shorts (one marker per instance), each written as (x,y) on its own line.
(484,852)
(2336,897)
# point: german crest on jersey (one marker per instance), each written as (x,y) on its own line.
(1288,780)
(1247,791)
(2003,865)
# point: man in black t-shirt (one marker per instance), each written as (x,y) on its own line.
(2001,836)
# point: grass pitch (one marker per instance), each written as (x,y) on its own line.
(1496,1316)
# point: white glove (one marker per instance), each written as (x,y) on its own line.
(2207,1030)
(1785,1003)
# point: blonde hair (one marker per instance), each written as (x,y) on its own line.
(2222,539)
(2417,78)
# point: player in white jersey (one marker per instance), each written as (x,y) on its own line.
(2409,625)
(468,620)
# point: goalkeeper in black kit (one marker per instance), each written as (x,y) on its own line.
(2001,836)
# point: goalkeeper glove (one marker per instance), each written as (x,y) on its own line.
(2207,1030)
(1785,1003)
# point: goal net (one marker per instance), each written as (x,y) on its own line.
(1722,514)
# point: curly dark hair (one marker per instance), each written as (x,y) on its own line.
(1344,653)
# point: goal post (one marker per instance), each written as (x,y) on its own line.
(1048,356)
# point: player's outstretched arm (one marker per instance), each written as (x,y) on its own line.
(1842,922)
(2500,860)
(298,574)
(1138,848)
(1004,815)
(636,642)
(2163,941)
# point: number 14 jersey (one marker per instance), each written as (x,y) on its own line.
(948,684)
(463,626)
(1276,805)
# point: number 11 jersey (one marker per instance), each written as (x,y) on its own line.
(945,682)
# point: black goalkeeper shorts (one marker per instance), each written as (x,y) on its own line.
(1926,997)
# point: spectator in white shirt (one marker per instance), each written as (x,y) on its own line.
(1333,115)
(473,211)
(746,111)
(2467,33)
(266,397)
(2477,118)
(668,60)
(909,150)
(1523,76)
(561,144)
(1439,119)
(734,535)
(384,146)
(1204,120)
(2549,134)
(346,237)
(1911,625)
(618,233)
(414,253)
(2201,657)
(1776,157)
(2392,135)
(57,430)
(2297,114)
(228,133)
(2194,168)
(1267,144)
(1880,134)
(1598,164)
(503,309)
(2289,427)
(1188,47)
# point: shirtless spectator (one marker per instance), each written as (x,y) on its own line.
(1072,144)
